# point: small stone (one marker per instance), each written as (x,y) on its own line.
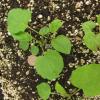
(57,7)
(71,65)
(68,82)
(19,53)
(9,33)
(19,88)
(93,18)
(88,2)
(40,16)
(9,65)
(36,80)
(0,33)
(15,82)
(78,10)
(31,60)
(17,73)
(48,18)
(78,5)
(45,7)
(27,73)
(78,38)
(82,61)
(80,33)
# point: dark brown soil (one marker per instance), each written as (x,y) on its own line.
(13,61)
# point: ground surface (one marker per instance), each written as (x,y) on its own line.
(18,79)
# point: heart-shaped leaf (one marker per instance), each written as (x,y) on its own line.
(44,30)
(50,65)
(62,44)
(18,20)
(34,50)
(90,41)
(44,90)
(24,45)
(90,38)
(88,26)
(61,90)
(87,78)
(55,25)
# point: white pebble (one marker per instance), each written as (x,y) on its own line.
(40,16)
(9,33)
(19,88)
(68,82)
(27,73)
(78,5)
(17,73)
(57,7)
(88,2)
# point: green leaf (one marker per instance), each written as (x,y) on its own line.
(55,25)
(97,39)
(50,65)
(62,44)
(90,38)
(24,45)
(22,36)
(34,50)
(90,41)
(87,78)
(44,30)
(61,90)
(88,26)
(18,20)
(98,19)
(44,90)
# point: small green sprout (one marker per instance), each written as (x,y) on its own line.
(49,63)
(91,38)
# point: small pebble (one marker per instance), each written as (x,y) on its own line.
(78,5)
(19,88)
(88,2)
(82,61)
(27,73)
(57,7)
(40,16)
(9,33)
(17,73)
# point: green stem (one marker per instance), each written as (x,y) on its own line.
(39,42)
(33,29)
(53,35)
(74,92)
(70,95)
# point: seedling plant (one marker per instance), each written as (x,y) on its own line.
(46,51)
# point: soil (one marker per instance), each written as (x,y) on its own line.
(18,80)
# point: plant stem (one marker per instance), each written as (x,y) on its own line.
(33,29)
(40,44)
(74,92)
